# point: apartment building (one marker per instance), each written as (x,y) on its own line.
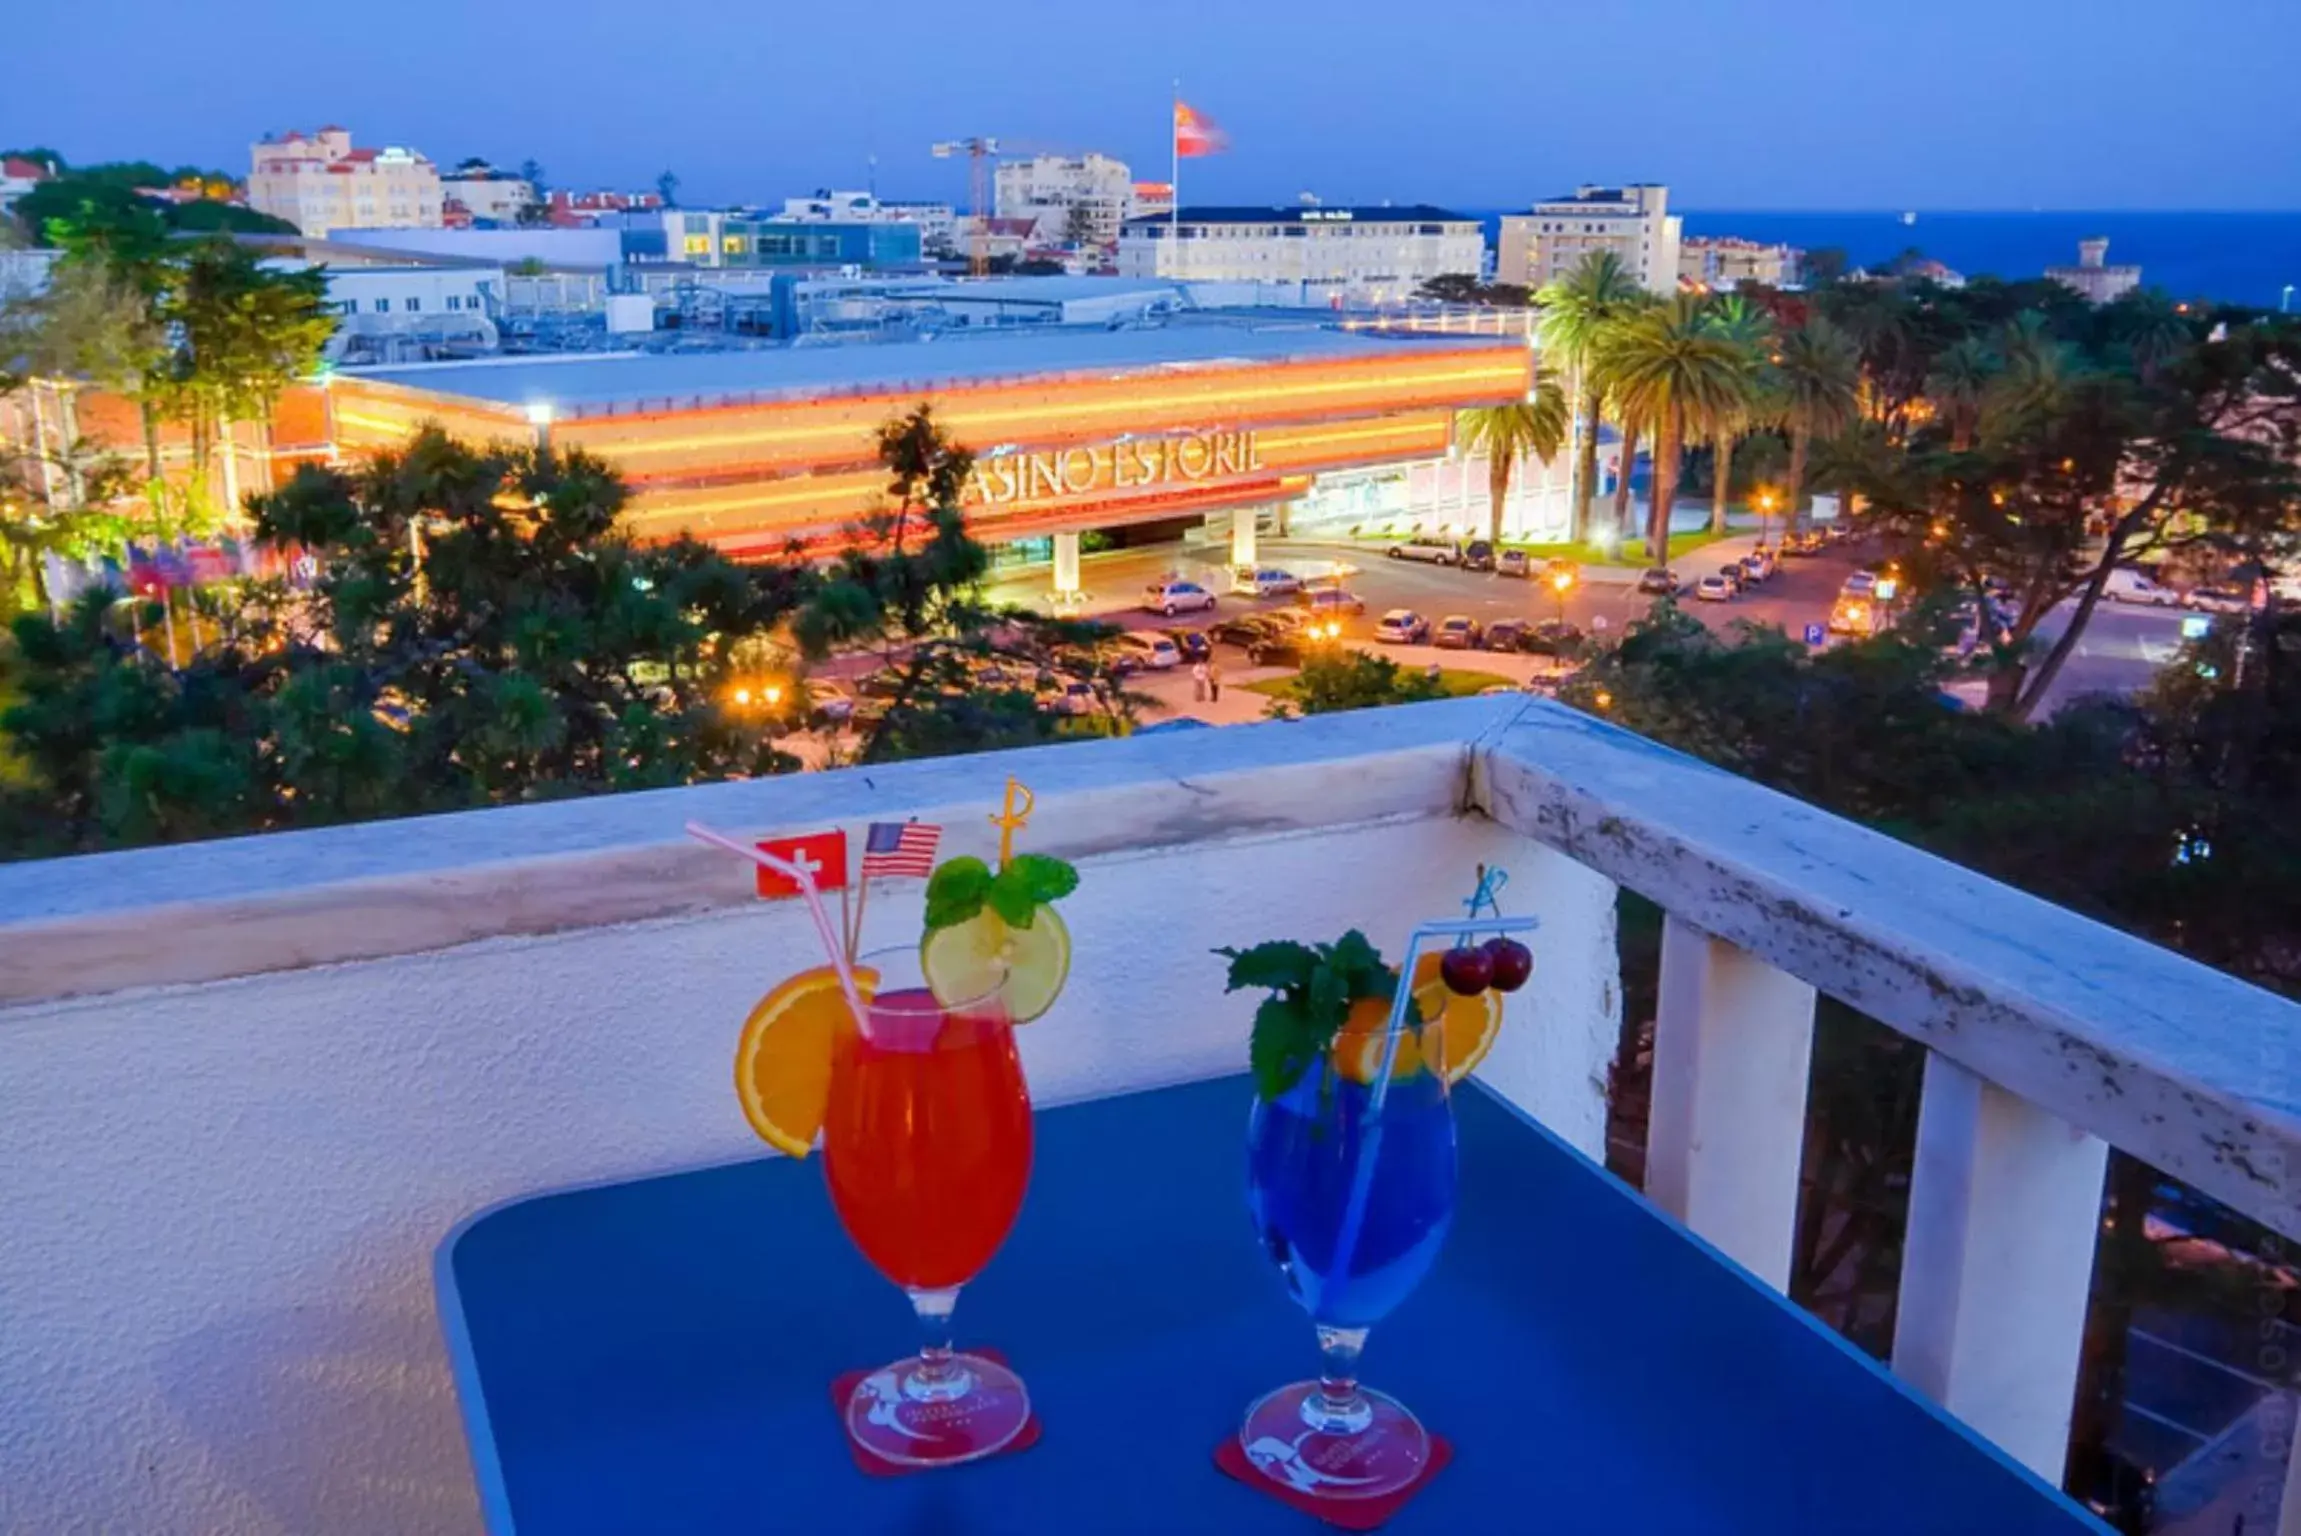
(1634,222)
(1087,197)
(321,182)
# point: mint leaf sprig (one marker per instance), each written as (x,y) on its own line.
(1313,988)
(960,888)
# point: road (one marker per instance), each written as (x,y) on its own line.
(2123,645)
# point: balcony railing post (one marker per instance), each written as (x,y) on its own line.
(1733,1047)
(2005,1207)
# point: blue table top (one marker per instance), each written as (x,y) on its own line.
(656,1357)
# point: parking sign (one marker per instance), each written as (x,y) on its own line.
(1815,634)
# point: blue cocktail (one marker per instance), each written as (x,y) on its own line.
(1350,1166)
(1304,1157)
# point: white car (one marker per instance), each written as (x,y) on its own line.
(1429,551)
(1402,626)
(2218,600)
(1269,581)
(1070,697)
(1173,597)
(1860,584)
(1153,653)
(827,699)
(1714,589)
(2132,587)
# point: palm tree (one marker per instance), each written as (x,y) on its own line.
(1750,331)
(1534,427)
(1816,377)
(1676,371)
(1959,387)
(1575,310)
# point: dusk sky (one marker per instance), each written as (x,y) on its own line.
(1481,103)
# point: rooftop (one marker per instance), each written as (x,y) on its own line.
(1296,213)
(570,383)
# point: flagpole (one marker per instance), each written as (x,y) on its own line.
(1174,185)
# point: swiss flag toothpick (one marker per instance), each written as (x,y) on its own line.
(822,854)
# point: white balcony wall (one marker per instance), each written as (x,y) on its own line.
(298,1060)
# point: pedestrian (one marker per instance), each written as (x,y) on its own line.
(1214,681)
(1198,682)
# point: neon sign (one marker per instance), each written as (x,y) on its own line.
(1057,472)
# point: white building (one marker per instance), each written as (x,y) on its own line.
(1726,262)
(320,182)
(2091,277)
(487,193)
(938,222)
(1364,255)
(1086,196)
(17,177)
(1633,222)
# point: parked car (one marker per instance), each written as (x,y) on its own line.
(1760,563)
(1457,632)
(1860,584)
(1173,597)
(1268,581)
(1284,648)
(1245,629)
(2219,600)
(1069,696)
(1553,637)
(1428,551)
(1508,634)
(1146,651)
(1193,643)
(1796,542)
(1402,626)
(828,703)
(1659,581)
(1331,602)
(2126,586)
(1715,589)
(1731,574)
(1514,562)
(1477,555)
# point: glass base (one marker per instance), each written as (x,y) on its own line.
(968,1409)
(1366,1446)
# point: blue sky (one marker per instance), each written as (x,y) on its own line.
(1480,103)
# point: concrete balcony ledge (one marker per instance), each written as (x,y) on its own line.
(246,1086)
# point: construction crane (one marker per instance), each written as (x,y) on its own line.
(979,152)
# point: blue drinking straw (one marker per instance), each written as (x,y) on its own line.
(1362,1178)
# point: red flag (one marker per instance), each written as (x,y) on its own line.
(822,854)
(1195,135)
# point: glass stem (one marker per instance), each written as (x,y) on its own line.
(936,1377)
(1338,1407)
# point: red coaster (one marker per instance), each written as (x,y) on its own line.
(872,1465)
(1349,1514)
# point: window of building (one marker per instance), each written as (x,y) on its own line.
(454,303)
(698,245)
(383,306)
(731,245)
(414,304)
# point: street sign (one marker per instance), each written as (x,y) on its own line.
(1816,634)
(2195,626)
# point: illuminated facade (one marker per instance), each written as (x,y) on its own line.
(755,450)
(321,182)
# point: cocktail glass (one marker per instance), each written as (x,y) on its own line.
(1352,1196)
(927,1151)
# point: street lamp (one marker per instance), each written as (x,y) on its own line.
(1561,582)
(1765,500)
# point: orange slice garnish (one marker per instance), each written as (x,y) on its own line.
(1457,1031)
(1358,1045)
(783,1062)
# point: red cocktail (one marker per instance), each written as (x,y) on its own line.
(927,1151)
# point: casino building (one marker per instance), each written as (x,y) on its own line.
(1134,432)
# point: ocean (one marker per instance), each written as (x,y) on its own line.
(2237,258)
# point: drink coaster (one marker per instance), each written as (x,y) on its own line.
(1348,1514)
(871,1464)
